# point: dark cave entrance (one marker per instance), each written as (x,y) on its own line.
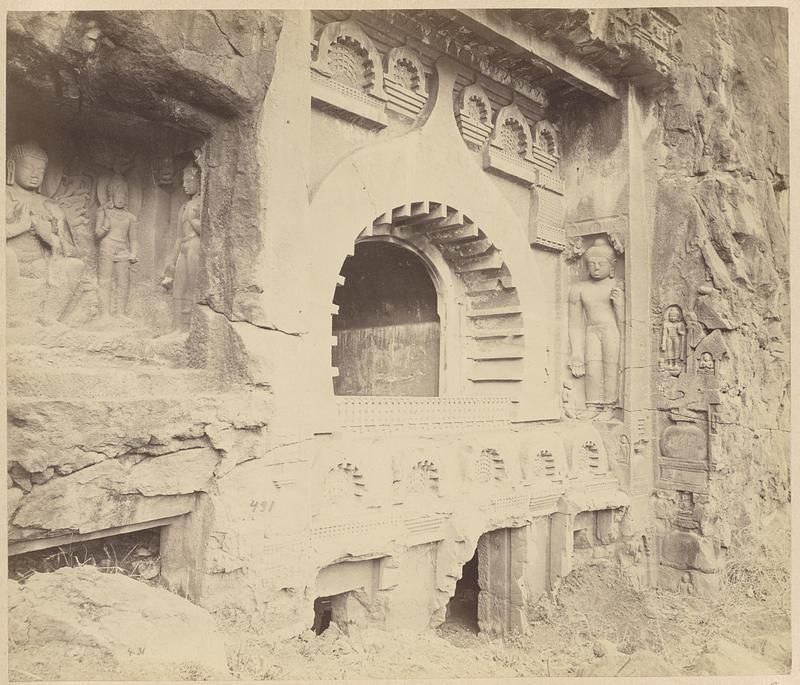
(462,609)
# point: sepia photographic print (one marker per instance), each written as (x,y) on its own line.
(398,343)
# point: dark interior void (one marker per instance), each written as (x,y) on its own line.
(387,326)
(134,554)
(462,609)
(323,612)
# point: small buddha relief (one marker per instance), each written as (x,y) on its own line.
(673,341)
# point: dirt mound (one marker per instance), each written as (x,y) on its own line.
(597,624)
(723,657)
(82,624)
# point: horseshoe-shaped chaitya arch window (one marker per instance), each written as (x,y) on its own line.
(387,332)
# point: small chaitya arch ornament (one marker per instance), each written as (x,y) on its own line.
(512,126)
(546,138)
(342,482)
(347,54)
(424,477)
(510,149)
(404,66)
(482,468)
(589,457)
(404,82)
(347,75)
(474,114)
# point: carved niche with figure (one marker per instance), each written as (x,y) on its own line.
(117,231)
(183,260)
(596,320)
(39,242)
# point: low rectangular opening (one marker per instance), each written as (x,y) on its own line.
(133,550)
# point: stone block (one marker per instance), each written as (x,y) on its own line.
(686,550)
(109,494)
(606,530)
(686,442)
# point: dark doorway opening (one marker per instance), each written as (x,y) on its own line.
(388,324)
(323,612)
(462,609)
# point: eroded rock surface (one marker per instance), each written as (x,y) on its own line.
(82,624)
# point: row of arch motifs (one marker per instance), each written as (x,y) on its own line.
(346,54)
(345,481)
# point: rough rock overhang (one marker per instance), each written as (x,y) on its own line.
(122,70)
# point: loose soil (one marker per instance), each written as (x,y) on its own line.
(594,603)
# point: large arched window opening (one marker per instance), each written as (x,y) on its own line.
(387,325)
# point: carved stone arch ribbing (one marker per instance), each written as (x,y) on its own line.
(348,34)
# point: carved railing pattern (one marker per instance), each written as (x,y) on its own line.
(429,413)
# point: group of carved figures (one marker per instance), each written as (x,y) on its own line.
(596,322)
(40,243)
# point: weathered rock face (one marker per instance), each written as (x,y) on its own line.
(82,624)
(719,183)
(123,90)
(107,425)
(266,487)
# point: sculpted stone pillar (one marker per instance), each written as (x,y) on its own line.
(39,243)
(183,261)
(117,229)
(596,316)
